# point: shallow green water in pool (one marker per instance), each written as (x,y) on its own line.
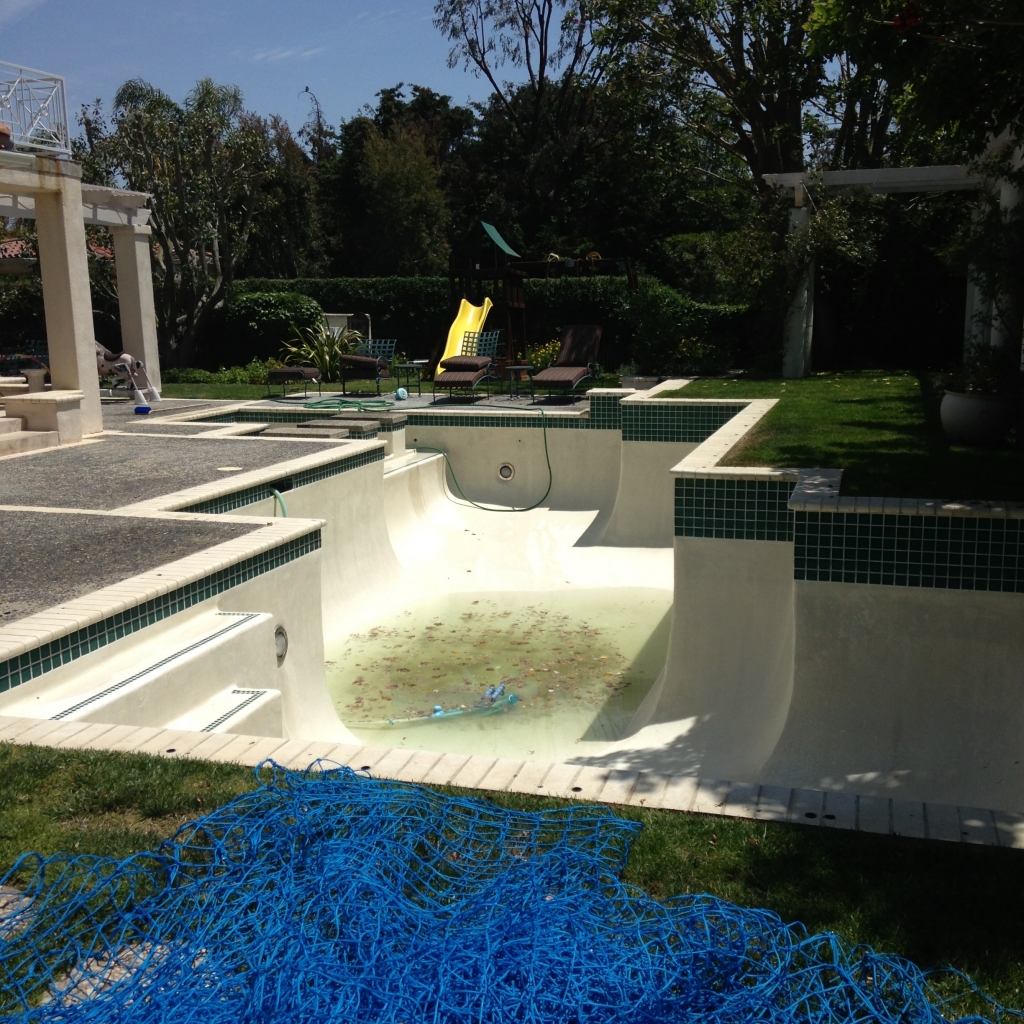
(579,663)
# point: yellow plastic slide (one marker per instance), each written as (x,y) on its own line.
(469,318)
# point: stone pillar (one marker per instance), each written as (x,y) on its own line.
(64,268)
(1008,311)
(135,296)
(798,331)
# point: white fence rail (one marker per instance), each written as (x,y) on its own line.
(34,104)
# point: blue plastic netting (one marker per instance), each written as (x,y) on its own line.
(329,897)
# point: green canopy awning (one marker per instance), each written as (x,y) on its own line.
(498,240)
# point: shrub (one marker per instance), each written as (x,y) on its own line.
(254,373)
(415,310)
(254,325)
(645,328)
(320,347)
(540,356)
(655,327)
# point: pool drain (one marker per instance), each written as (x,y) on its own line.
(506,471)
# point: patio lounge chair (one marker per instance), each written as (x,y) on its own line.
(371,361)
(473,364)
(304,375)
(576,362)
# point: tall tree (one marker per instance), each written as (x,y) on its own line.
(739,70)
(954,66)
(386,181)
(206,162)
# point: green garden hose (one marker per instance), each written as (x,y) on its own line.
(284,507)
(359,404)
(484,508)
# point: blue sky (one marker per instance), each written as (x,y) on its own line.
(344,50)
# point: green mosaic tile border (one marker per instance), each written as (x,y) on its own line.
(287,416)
(638,422)
(687,423)
(501,421)
(945,552)
(265,416)
(734,509)
(248,495)
(606,412)
(49,656)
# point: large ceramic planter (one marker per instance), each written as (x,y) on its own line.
(977,419)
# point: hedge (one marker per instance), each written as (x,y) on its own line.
(254,325)
(412,309)
(654,328)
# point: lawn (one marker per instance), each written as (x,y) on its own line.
(881,428)
(936,903)
(251,392)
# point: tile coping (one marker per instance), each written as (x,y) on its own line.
(689,794)
(44,627)
(817,490)
(241,481)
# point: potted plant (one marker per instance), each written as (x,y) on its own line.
(981,403)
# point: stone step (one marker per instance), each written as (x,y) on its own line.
(11,424)
(27,441)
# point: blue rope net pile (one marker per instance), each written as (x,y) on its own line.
(329,897)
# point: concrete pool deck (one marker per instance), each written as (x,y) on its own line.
(652,790)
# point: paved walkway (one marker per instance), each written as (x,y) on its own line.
(814,808)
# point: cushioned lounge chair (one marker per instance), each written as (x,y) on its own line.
(474,364)
(576,362)
(304,375)
(371,361)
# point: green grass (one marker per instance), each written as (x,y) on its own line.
(936,903)
(102,803)
(881,428)
(250,392)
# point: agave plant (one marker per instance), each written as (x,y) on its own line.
(321,347)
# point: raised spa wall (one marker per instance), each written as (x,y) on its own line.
(868,644)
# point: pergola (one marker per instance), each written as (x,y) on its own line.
(799,324)
(41,182)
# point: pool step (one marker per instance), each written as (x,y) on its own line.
(236,710)
(14,438)
(157,682)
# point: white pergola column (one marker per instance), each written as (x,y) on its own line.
(798,330)
(135,295)
(64,268)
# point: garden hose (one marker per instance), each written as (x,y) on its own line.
(284,508)
(484,508)
(359,404)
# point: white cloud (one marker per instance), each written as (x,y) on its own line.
(11,10)
(279,54)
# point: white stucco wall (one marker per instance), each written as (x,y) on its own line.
(356,550)
(644,512)
(584,463)
(906,691)
(728,674)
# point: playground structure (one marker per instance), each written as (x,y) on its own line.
(484,269)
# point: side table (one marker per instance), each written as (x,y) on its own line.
(514,379)
(416,366)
